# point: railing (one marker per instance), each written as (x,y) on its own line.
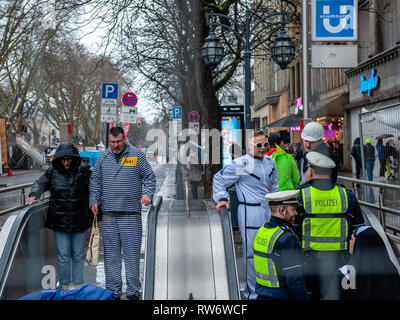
(380,206)
(23,204)
(31,150)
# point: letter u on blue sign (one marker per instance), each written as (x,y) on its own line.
(335,19)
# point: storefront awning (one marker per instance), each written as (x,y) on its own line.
(291,120)
(331,108)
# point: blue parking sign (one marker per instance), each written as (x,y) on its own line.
(177,112)
(109,90)
(334,20)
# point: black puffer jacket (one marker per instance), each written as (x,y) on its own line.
(69,192)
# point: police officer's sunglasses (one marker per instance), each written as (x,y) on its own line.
(259,145)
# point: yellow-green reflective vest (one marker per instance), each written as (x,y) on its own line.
(325,226)
(264,243)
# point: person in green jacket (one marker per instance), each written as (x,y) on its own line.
(288,173)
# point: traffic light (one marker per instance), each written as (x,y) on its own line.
(139,123)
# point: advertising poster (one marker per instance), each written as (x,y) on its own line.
(231,134)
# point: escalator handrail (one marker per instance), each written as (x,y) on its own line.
(13,238)
(149,269)
(231,270)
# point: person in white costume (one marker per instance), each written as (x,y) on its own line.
(254,176)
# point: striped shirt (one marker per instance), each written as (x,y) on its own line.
(118,183)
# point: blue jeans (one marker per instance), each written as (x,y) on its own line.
(370,169)
(70,246)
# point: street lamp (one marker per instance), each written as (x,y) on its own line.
(212,51)
(282,51)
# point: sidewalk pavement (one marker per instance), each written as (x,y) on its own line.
(18,172)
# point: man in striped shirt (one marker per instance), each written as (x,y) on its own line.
(122,180)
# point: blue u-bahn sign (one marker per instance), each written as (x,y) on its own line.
(334,20)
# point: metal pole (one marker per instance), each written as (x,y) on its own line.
(247,72)
(106,137)
(306,68)
(362,153)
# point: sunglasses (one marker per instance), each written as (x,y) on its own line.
(259,145)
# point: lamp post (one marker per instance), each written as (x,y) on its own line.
(282,51)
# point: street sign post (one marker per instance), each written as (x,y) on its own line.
(177,119)
(128,114)
(129,99)
(109,102)
(194,119)
(194,116)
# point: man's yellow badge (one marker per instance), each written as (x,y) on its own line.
(129,161)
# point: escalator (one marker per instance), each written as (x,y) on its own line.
(27,253)
(190,256)
(198,269)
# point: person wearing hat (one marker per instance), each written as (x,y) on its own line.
(312,135)
(253,174)
(370,155)
(277,254)
(327,216)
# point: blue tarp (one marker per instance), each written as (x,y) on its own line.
(86,292)
(92,155)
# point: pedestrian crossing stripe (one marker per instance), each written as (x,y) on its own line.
(129,161)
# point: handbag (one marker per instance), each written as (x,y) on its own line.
(92,253)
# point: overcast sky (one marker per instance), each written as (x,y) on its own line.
(91,38)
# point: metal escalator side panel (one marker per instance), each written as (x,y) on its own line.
(29,248)
(149,261)
(230,256)
(219,257)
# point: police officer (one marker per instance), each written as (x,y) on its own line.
(328,214)
(254,175)
(277,254)
(312,136)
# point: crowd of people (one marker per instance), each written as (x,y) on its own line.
(121,181)
(299,228)
(387,155)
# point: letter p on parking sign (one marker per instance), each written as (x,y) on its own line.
(109,91)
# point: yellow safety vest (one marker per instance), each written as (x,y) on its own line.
(325,226)
(264,243)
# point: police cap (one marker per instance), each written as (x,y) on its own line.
(282,197)
(316,159)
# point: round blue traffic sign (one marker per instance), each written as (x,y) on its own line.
(129,99)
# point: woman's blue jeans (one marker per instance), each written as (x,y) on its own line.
(370,169)
(70,246)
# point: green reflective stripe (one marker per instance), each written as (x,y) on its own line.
(326,215)
(307,221)
(343,199)
(260,254)
(343,224)
(271,266)
(326,239)
(307,199)
(268,277)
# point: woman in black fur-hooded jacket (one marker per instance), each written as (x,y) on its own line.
(69,191)
(68,214)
